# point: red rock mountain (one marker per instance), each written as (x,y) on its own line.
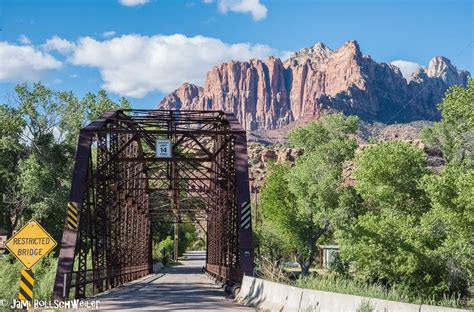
(272,94)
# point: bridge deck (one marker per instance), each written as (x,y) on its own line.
(180,288)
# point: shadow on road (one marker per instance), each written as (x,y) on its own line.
(183,287)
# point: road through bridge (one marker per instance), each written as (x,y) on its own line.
(181,287)
(137,168)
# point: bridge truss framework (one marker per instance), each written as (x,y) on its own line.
(120,188)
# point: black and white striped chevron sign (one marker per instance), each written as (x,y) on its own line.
(246,216)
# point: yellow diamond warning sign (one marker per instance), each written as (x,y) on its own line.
(30,244)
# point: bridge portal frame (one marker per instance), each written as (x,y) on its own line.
(107,230)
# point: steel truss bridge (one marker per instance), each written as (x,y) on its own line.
(120,188)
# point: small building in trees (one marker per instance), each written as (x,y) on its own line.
(327,254)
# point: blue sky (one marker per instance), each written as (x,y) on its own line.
(142,49)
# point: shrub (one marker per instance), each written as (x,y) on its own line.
(163,251)
(339,266)
(10,273)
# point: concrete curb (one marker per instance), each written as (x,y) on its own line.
(272,296)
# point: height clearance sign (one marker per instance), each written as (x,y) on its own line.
(30,244)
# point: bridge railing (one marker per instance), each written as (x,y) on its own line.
(219,272)
(113,277)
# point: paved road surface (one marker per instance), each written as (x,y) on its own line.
(180,288)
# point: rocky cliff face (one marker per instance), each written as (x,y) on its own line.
(260,157)
(272,94)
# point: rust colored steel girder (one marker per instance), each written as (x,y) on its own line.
(120,188)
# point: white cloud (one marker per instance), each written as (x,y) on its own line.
(24,39)
(285,55)
(134,65)
(109,34)
(133,2)
(61,45)
(254,7)
(24,63)
(406,67)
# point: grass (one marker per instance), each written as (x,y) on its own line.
(336,284)
(45,274)
(298,270)
(365,306)
(10,272)
(295,272)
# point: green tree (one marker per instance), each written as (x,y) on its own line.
(385,244)
(39,187)
(275,198)
(454,135)
(450,224)
(11,128)
(96,104)
(275,235)
(332,137)
(451,193)
(303,201)
(272,243)
(387,176)
(39,137)
(417,228)
(187,236)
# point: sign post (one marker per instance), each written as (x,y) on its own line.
(27,282)
(29,245)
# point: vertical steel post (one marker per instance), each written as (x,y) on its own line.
(69,239)
(243,198)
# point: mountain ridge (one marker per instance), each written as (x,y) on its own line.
(272,94)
